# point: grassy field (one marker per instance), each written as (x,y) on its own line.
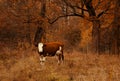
(25,66)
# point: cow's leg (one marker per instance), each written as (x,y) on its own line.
(42,59)
(59,59)
(62,57)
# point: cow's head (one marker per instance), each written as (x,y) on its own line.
(40,47)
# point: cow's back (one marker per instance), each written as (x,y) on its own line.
(52,47)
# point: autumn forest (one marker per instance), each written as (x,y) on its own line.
(89,30)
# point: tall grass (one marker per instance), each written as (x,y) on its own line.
(25,66)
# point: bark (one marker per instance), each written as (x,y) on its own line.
(116,29)
(96,26)
(43,8)
(96,36)
(28,27)
(38,35)
(40,32)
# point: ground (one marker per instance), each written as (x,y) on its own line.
(25,66)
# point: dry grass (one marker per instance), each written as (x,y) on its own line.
(25,66)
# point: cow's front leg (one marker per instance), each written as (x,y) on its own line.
(42,59)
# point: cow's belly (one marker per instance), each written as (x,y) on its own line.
(50,54)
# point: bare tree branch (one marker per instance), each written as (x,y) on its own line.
(51,21)
(104,11)
(69,5)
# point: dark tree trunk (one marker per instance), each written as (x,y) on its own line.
(43,8)
(116,29)
(96,26)
(96,36)
(40,32)
(28,27)
(38,35)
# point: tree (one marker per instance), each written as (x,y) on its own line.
(24,12)
(116,29)
(40,32)
(80,8)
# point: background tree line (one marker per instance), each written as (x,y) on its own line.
(87,24)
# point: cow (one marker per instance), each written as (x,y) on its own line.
(51,49)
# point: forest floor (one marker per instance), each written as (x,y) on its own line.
(25,66)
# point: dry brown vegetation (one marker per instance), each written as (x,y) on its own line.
(84,26)
(25,66)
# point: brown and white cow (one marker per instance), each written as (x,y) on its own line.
(51,49)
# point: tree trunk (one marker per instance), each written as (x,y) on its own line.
(28,27)
(40,32)
(116,29)
(96,36)
(96,26)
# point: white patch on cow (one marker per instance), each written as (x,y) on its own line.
(59,51)
(40,47)
(60,48)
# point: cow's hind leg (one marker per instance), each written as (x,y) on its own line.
(62,57)
(59,59)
